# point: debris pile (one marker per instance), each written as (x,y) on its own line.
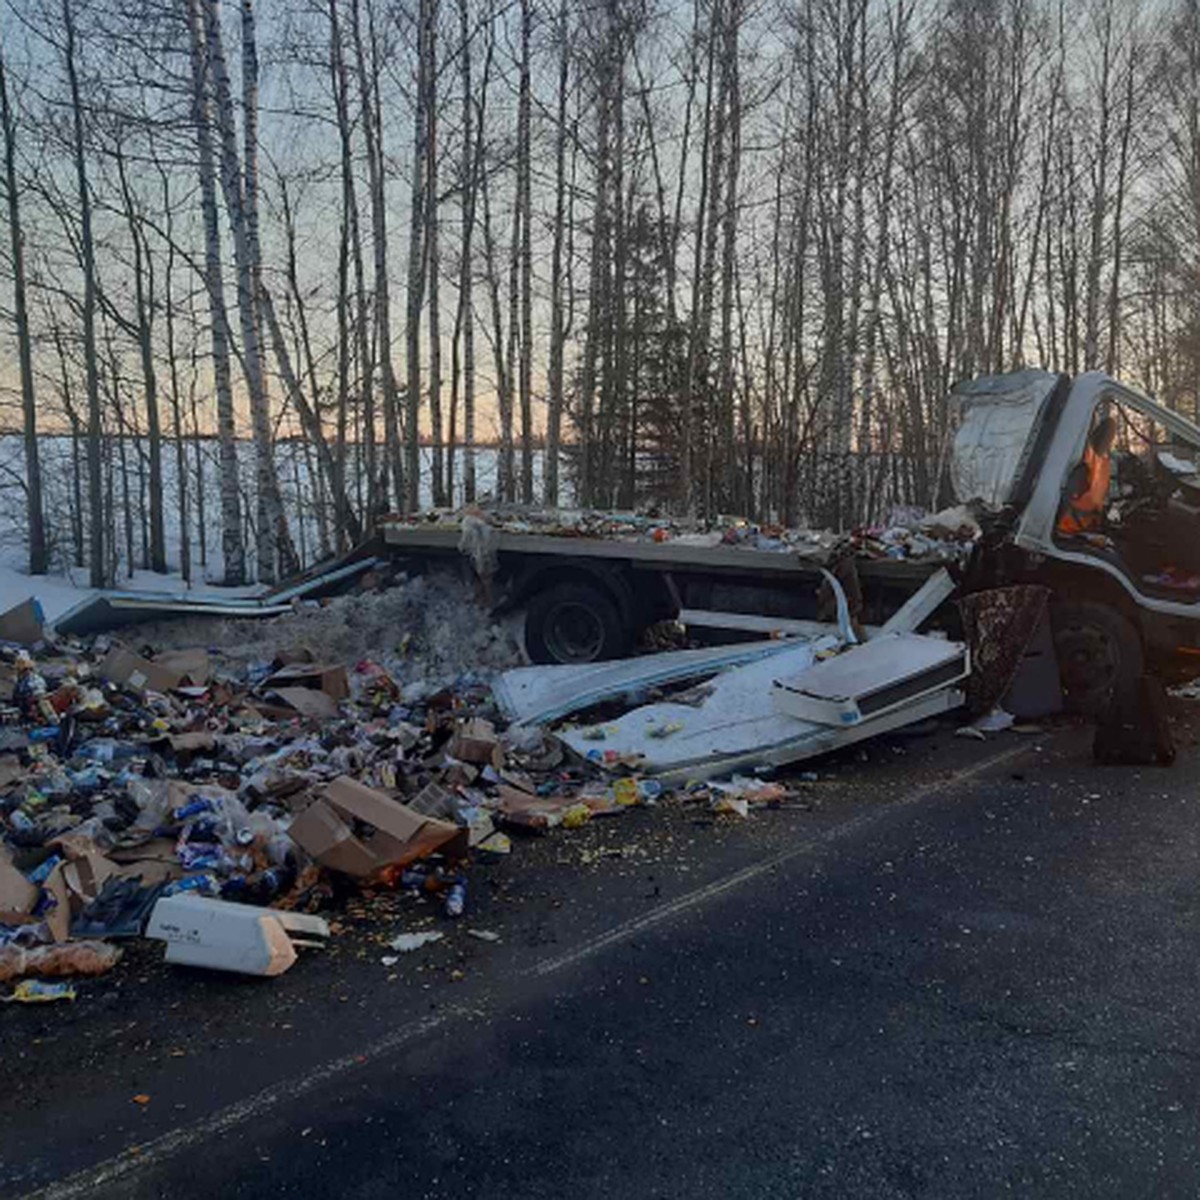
(218,803)
(907,533)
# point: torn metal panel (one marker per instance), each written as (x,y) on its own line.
(998,417)
(738,727)
(869,681)
(112,610)
(737,716)
(115,610)
(815,740)
(536,695)
(920,606)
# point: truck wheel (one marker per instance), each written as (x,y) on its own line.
(1097,650)
(574,623)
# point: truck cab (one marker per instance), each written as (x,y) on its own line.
(1125,591)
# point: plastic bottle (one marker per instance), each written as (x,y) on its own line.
(20,821)
(193,808)
(101,750)
(456,899)
(42,871)
(206,885)
(625,790)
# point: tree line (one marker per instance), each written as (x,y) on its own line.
(715,256)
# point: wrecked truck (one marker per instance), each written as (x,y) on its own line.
(1122,598)
(1125,596)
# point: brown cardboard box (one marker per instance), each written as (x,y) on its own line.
(86,876)
(475,741)
(291,655)
(11,771)
(308,702)
(328,678)
(325,830)
(193,666)
(132,671)
(58,918)
(17,894)
(23,623)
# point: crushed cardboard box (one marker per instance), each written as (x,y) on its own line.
(23,623)
(475,741)
(325,677)
(307,702)
(125,669)
(326,830)
(17,894)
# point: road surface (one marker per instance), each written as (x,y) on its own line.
(967,970)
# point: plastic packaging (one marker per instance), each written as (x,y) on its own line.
(456,900)
(34,991)
(626,792)
(205,885)
(194,808)
(42,871)
(69,958)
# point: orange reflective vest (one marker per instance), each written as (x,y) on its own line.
(1084,512)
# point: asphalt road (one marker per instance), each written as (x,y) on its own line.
(973,976)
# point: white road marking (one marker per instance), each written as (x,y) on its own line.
(223,1120)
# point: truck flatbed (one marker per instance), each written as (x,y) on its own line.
(588,597)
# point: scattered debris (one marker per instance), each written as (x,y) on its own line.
(484,935)
(408,942)
(204,932)
(218,784)
(34,991)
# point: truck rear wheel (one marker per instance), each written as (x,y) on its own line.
(574,623)
(1097,650)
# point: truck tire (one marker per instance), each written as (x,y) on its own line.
(574,623)
(1097,649)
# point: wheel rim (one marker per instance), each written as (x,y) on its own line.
(574,633)
(1088,662)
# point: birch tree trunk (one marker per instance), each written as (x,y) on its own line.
(273,550)
(97,567)
(555,381)
(232,546)
(368,83)
(35,515)
(433,261)
(144,306)
(525,204)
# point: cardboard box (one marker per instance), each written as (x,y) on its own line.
(475,741)
(17,894)
(128,670)
(328,678)
(194,666)
(58,918)
(306,702)
(292,655)
(23,623)
(11,771)
(326,831)
(85,877)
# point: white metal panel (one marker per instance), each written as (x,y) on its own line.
(997,416)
